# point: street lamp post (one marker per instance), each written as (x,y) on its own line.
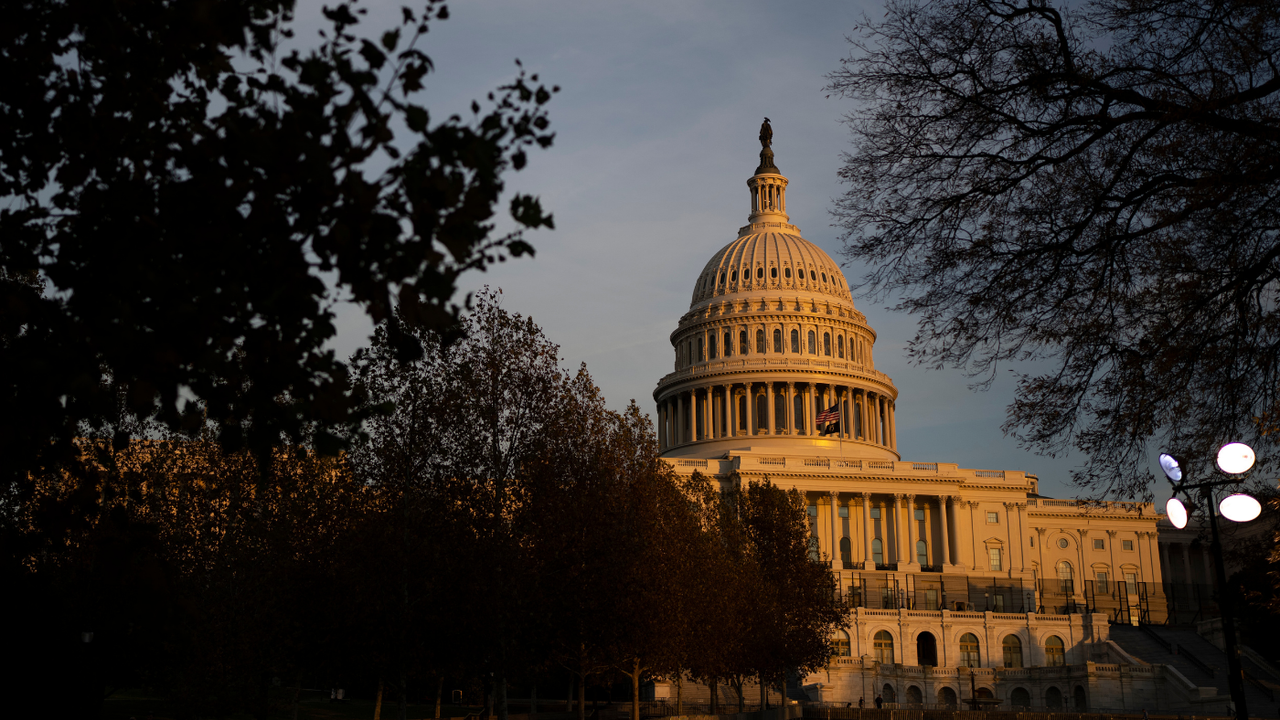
(1233,459)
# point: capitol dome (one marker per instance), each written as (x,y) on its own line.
(772,354)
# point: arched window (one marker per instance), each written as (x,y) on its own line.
(969,650)
(813,276)
(728,343)
(1055,654)
(877,551)
(798,412)
(922,552)
(742,342)
(1020,698)
(1078,697)
(914,696)
(888,693)
(746,274)
(947,698)
(840,346)
(779,412)
(700,356)
(883,643)
(762,412)
(721,278)
(795,341)
(760,341)
(1053,698)
(1065,576)
(773,273)
(787,273)
(711,347)
(840,644)
(760,273)
(742,412)
(777,341)
(813,343)
(846,552)
(826,344)
(1012,651)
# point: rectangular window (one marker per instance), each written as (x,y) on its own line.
(844,511)
(931,599)
(1131,579)
(1033,541)
(999,603)
(919,514)
(1126,544)
(1103,586)
(875,513)
(1099,545)
(993,517)
(813,511)
(995,558)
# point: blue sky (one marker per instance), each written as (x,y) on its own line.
(656,128)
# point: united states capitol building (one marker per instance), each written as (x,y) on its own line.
(967,583)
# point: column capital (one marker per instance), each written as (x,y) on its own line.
(1083,532)
(834,494)
(1112,533)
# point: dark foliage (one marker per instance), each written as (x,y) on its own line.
(1089,186)
(185,177)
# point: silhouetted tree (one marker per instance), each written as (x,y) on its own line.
(195,186)
(1091,186)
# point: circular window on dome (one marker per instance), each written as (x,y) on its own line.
(760,273)
(813,276)
(773,273)
(787,273)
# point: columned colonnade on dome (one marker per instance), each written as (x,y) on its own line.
(779,408)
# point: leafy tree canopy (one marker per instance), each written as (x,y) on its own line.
(187,188)
(1091,185)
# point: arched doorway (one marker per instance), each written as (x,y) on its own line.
(926,649)
(1053,698)
(985,694)
(1020,698)
(947,697)
(888,694)
(915,698)
(1077,697)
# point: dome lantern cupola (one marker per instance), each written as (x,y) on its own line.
(772,354)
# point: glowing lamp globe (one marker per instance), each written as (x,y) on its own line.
(1177,512)
(1171,467)
(1235,458)
(1240,508)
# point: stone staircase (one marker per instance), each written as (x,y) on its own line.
(1188,648)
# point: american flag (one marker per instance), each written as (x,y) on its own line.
(831,414)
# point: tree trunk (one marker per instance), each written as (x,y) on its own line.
(533,702)
(377,704)
(582,696)
(568,700)
(635,690)
(764,694)
(737,687)
(679,692)
(439,694)
(502,697)
(714,696)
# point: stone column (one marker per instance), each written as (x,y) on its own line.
(680,422)
(836,564)
(868,561)
(730,419)
(768,410)
(946,531)
(892,435)
(809,425)
(1186,563)
(1209,578)
(912,555)
(791,407)
(897,529)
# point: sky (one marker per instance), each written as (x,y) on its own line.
(656,126)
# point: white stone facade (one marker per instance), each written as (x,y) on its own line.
(771,341)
